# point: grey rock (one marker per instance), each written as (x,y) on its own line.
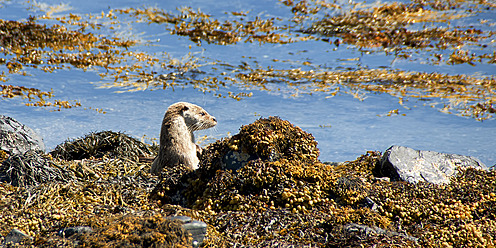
(371,204)
(16,138)
(183,219)
(197,229)
(407,164)
(15,236)
(69,231)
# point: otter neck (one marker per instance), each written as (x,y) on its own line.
(179,132)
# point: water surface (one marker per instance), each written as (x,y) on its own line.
(344,126)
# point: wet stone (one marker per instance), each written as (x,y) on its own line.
(15,236)
(16,138)
(407,164)
(69,231)
(197,229)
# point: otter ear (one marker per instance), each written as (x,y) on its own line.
(185,108)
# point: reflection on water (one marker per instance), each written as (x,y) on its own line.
(305,81)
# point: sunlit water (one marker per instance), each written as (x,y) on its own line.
(343,126)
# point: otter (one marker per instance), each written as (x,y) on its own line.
(177,141)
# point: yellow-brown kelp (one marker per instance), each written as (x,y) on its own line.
(389,28)
(48,49)
(279,194)
(273,196)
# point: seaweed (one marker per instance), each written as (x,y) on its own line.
(278,196)
(31,169)
(265,197)
(104,143)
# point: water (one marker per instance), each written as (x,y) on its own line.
(344,126)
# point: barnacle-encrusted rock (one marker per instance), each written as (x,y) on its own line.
(407,164)
(102,143)
(16,138)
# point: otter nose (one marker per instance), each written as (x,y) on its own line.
(213,118)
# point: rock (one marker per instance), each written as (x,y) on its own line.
(268,139)
(100,144)
(407,164)
(16,138)
(197,229)
(69,231)
(15,236)
(145,229)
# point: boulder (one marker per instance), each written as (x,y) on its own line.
(407,164)
(16,138)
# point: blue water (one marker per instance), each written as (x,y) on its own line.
(343,126)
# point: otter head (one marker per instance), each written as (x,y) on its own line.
(195,117)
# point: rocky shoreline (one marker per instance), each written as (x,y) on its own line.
(263,187)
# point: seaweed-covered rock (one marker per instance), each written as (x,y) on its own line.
(138,231)
(407,164)
(31,168)
(102,143)
(278,150)
(269,194)
(290,200)
(16,138)
(272,139)
(459,214)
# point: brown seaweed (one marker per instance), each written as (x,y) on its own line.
(105,143)
(31,169)
(282,196)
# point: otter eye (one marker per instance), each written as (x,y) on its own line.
(203,113)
